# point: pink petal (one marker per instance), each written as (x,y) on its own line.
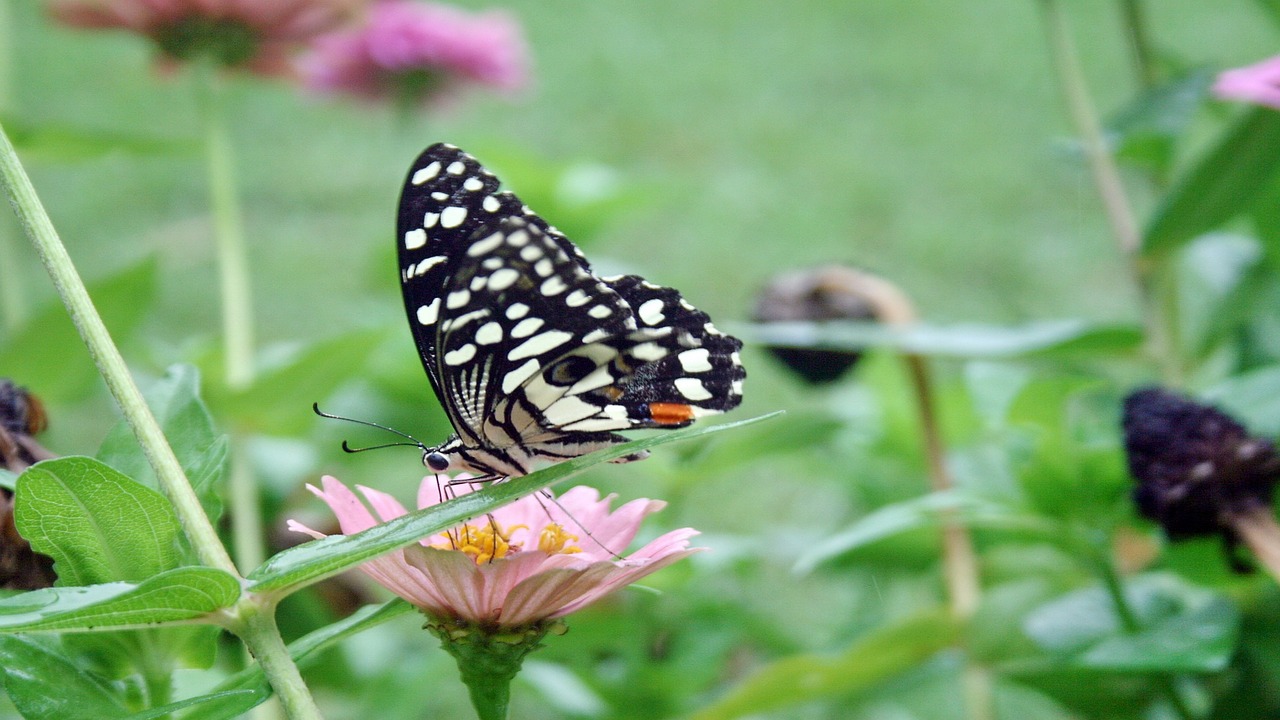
(387,507)
(352,515)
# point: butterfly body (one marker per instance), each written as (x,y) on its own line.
(533,356)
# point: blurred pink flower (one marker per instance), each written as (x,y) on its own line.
(255,35)
(1258,83)
(526,562)
(414,53)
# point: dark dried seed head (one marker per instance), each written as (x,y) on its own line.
(831,292)
(1196,466)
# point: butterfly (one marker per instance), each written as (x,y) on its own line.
(534,357)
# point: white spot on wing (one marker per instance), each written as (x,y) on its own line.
(481,247)
(452,216)
(473,184)
(539,344)
(461,355)
(516,377)
(568,409)
(577,298)
(692,389)
(457,299)
(526,327)
(543,267)
(489,333)
(426,173)
(595,336)
(695,361)
(600,312)
(503,279)
(455,168)
(553,286)
(517,310)
(649,351)
(490,204)
(651,311)
(439,196)
(427,264)
(430,219)
(531,253)
(427,313)
(415,239)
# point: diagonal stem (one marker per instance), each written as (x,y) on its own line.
(106,356)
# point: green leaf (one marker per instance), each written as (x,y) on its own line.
(187,425)
(61,142)
(279,401)
(870,661)
(45,683)
(314,561)
(47,352)
(1052,338)
(240,700)
(1222,184)
(1147,131)
(1212,271)
(926,511)
(1181,628)
(1252,397)
(98,525)
(183,595)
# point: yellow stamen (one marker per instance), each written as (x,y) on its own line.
(484,542)
(553,540)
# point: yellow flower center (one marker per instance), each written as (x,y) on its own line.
(487,541)
(554,540)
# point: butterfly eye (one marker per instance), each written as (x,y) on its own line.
(437,461)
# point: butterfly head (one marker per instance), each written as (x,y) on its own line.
(435,460)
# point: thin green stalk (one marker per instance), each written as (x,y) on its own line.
(1106,177)
(173,481)
(1130,624)
(237,307)
(1135,21)
(262,637)
(228,235)
(246,519)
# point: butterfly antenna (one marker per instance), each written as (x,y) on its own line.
(413,441)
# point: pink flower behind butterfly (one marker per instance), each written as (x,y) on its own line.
(1258,83)
(255,35)
(414,53)
(529,561)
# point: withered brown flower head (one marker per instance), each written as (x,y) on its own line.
(1196,466)
(21,416)
(829,292)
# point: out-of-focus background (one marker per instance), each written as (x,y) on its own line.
(707,147)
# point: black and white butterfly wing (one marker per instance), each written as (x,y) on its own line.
(531,354)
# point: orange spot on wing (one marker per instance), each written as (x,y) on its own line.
(670,413)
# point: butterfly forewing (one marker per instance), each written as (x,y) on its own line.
(531,354)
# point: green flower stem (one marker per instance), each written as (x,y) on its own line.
(237,307)
(1135,21)
(1131,625)
(246,516)
(490,658)
(1106,176)
(228,234)
(258,631)
(35,221)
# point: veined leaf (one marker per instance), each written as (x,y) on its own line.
(98,525)
(183,595)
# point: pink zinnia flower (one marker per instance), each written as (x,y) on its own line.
(413,53)
(1258,83)
(526,562)
(256,35)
